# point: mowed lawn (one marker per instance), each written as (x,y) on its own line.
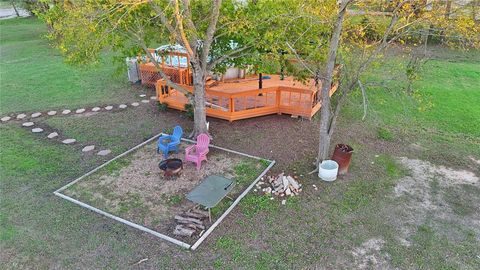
(336,226)
(446,96)
(33,76)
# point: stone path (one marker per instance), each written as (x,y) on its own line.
(104,152)
(72,141)
(88,148)
(20,116)
(69,141)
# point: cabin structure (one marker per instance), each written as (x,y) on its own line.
(232,99)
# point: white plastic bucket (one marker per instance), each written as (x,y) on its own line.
(328,170)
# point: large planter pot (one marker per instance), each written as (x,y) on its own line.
(327,171)
(342,155)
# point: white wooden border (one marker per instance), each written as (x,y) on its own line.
(215,224)
(150,231)
(108,162)
(124,221)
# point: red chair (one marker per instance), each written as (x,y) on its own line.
(197,153)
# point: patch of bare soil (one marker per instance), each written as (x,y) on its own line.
(475,160)
(424,193)
(369,256)
(139,191)
(143,174)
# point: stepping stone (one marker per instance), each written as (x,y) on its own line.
(28,124)
(21,116)
(88,148)
(104,152)
(52,113)
(6,118)
(69,141)
(66,111)
(96,109)
(37,114)
(52,135)
(135,104)
(122,106)
(37,130)
(145,100)
(142,95)
(108,108)
(153,98)
(80,110)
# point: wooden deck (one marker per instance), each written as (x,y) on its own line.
(241,99)
(233,99)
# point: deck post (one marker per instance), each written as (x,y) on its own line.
(278,98)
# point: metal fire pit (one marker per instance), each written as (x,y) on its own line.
(171,166)
(342,155)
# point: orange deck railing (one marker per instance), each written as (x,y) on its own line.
(149,74)
(247,104)
(235,99)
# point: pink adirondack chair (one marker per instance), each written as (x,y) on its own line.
(197,153)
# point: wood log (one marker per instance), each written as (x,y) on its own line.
(186,220)
(199,211)
(195,215)
(285,183)
(183,231)
(279,178)
(294,183)
(194,226)
(278,189)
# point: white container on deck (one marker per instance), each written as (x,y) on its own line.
(328,170)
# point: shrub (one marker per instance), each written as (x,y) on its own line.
(189,110)
(162,107)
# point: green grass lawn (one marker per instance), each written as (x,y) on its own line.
(33,76)
(443,110)
(318,229)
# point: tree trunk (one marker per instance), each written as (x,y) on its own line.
(448,9)
(199,113)
(325,116)
(15,8)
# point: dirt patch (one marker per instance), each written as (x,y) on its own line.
(423,171)
(143,175)
(369,256)
(135,189)
(427,193)
(475,160)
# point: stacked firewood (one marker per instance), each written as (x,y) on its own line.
(191,222)
(280,185)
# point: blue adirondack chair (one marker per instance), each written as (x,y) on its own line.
(167,143)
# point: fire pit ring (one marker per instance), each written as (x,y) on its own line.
(171,166)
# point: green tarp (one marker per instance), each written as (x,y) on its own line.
(211,191)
